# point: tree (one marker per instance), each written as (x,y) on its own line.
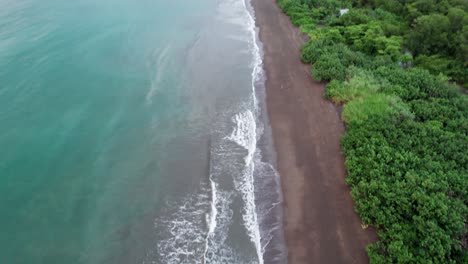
(429,34)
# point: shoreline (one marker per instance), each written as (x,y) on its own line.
(320,225)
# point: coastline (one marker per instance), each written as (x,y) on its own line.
(320,224)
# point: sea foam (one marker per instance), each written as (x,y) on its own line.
(245,135)
(211,245)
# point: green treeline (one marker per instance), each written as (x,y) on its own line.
(392,63)
(430,34)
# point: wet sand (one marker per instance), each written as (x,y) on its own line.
(319,220)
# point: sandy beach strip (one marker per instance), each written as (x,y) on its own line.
(319,220)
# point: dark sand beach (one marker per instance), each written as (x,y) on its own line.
(319,220)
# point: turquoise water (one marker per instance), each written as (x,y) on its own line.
(115,123)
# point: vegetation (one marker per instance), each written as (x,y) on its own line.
(394,65)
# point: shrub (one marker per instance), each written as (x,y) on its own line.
(375,105)
(312,50)
(361,84)
(328,67)
(416,83)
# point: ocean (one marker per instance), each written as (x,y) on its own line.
(135,132)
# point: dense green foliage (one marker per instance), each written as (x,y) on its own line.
(432,34)
(407,124)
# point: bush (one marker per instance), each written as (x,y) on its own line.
(311,51)
(409,178)
(382,106)
(361,84)
(416,83)
(328,67)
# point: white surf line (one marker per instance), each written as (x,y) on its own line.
(257,61)
(212,218)
(244,135)
(214,210)
(257,68)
